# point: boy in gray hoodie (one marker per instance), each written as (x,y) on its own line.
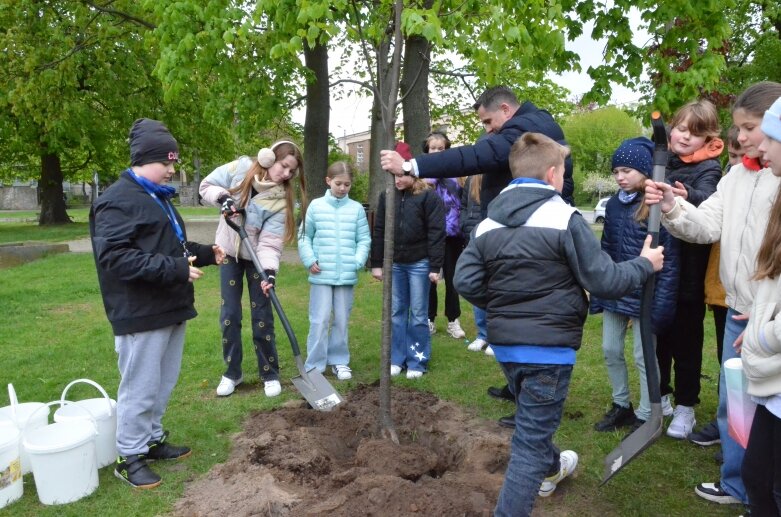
(527,265)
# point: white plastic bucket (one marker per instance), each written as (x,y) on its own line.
(20,414)
(63,458)
(103,410)
(10,466)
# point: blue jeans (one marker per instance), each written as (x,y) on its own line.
(327,340)
(540,393)
(410,338)
(733,453)
(480,323)
(613,335)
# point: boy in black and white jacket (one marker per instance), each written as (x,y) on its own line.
(528,264)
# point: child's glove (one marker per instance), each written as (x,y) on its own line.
(228,204)
(271,274)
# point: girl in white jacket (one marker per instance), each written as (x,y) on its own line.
(263,186)
(762,348)
(737,214)
(333,244)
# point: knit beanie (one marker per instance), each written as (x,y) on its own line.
(404,150)
(635,153)
(150,142)
(771,123)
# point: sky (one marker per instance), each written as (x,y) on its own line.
(351,114)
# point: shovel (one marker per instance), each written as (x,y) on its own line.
(646,434)
(311,384)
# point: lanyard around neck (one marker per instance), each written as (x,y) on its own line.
(167,208)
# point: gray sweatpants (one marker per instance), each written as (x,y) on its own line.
(149,364)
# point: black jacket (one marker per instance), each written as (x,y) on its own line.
(420,229)
(471,214)
(142,271)
(527,266)
(489,156)
(700,180)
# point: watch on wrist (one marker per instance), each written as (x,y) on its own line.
(406,167)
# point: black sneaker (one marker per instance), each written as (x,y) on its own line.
(707,435)
(617,417)
(162,450)
(713,492)
(502,393)
(134,471)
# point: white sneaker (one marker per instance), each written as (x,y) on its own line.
(395,370)
(342,372)
(568,461)
(489,351)
(667,406)
(477,345)
(227,386)
(272,388)
(432,329)
(414,374)
(455,330)
(683,422)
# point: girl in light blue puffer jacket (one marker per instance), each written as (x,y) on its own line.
(333,243)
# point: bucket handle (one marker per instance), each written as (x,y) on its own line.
(91,383)
(62,403)
(14,401)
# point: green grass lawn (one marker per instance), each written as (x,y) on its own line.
(54,330)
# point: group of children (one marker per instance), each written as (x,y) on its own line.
(542,256)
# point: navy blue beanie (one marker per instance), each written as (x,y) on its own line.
(635,153)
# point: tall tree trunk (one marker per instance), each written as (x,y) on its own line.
(377,176)
(52,199)
(318,112)
(415,107)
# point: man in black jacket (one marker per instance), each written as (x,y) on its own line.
(146,269)
(505,120)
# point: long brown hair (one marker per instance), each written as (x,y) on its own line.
(769,256)
(475,184)
(244,189)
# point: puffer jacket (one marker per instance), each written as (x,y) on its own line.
(700,180)
(761,350)
(335,234)
(265,222)
(419,232)
(737,214)
(622,239)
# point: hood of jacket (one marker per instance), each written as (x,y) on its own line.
(519,201)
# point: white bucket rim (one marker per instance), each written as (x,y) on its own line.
(21,412)
(9,436)
(88,432)
(96,408)
(95,385)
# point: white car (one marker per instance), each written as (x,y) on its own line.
(599,210)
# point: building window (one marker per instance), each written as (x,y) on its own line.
(359,154)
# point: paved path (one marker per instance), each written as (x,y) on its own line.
(198,230)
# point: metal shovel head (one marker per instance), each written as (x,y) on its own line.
(317,390)
(635,443)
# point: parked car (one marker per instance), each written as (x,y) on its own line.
(599,210)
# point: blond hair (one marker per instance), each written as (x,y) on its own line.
(534,153)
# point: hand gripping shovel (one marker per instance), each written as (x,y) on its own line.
(311,384)
(646,434)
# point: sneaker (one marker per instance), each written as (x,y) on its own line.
(568,461)
(395,370)
(683,422)
(272,388)
(502,393)
(227,386)
(432,329)
(616,417)
(489,351)
(162,450)
(342,372)
(667,406)
(634,427)
(134,471)
(507,421)
(455,330)
(707,435)
(713,492)
(477,345)
(414,374)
